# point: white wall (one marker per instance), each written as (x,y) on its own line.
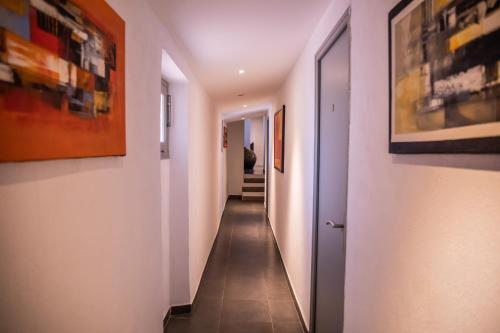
(247,133)
(203,192)
(82,241)
(234,158)
(179,194)
(166,262)
(193,190)
(423,235)
(257,137)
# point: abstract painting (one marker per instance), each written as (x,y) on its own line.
(62,72)
(279,140)
(224,136)
(445,76)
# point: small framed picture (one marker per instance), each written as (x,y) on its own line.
(224,137)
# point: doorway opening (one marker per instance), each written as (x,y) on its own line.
(253,188)
(331,179)
(246,155)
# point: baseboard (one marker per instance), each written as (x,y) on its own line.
(296,303)
(234,197)
(165,320)
(180,309)
(175,311)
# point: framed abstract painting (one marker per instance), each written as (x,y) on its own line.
(224,136)
(62,80)
(444,76)
(279,140)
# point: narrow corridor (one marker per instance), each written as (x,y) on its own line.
(244,287)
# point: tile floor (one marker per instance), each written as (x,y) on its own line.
(244,287)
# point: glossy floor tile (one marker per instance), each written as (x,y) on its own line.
(244,287)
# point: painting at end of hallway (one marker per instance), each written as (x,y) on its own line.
(445,76)
(279,140)
(62,80)
(224,137)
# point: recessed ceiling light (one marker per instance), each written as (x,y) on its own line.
(241,71)
(245,106)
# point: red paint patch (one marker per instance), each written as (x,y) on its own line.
(41,37)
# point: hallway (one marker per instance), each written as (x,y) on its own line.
(244,286)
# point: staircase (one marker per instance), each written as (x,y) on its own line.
(254,188)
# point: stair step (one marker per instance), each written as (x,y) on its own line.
(260,185)
(253,196)
(255,180)
(250,188)
(257,199)
(253,175)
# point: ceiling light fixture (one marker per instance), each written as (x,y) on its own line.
(241,71)
(245,106)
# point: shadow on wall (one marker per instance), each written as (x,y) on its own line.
(24,172)
(474,162)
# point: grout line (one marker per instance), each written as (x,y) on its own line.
(287,278)
(267,289)
(265,279)
(225,276)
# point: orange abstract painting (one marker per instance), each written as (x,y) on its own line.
(225,143)
(62,80)
(279,140)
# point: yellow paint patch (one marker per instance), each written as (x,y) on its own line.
(16,6)
(100,101)
(410,91)
(438,5)
(465,36)
(474,31)
(430,121)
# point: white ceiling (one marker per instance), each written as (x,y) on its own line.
(237,115)
(264,37)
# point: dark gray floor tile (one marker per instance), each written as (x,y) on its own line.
(277,289)
(203,327)
(283,311)
(279,294)
(211,288)
(245,288)
(207,310)
(244,311)
(247,328)
(181,325)
(177,325)
(288,327)
(215,270)
(241,270)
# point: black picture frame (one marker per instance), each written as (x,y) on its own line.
(484,145)
(280,168)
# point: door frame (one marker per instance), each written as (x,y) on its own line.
(266,164)
(343,25)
